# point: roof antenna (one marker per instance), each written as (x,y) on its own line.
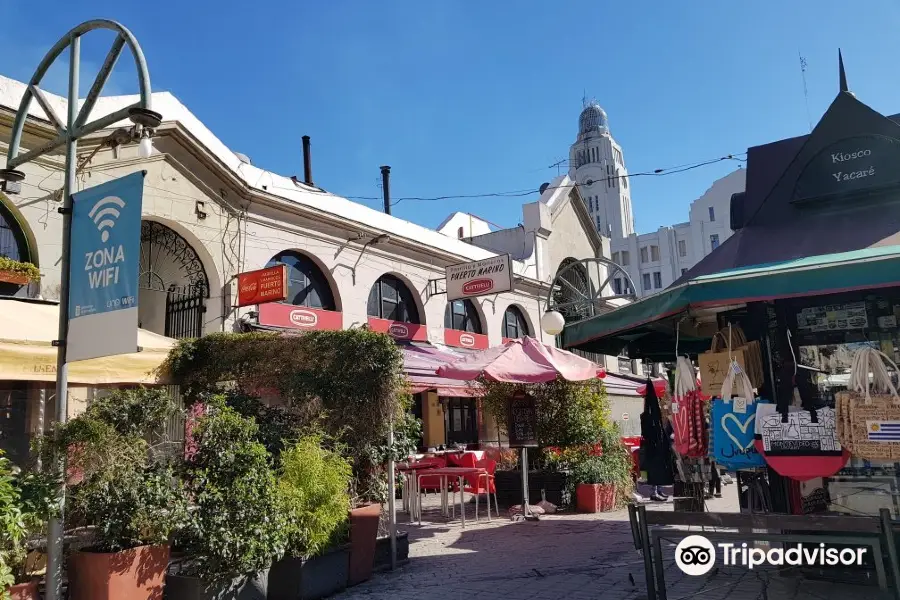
(805,89)
(844,87)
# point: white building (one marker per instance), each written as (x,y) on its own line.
(652,260)
(656,260)
(210,214)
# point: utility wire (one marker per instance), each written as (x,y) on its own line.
(527,192)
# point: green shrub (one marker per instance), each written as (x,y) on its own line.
(20,268)
(350,382)
(26,503)
(612,466)
(313,485)
(116,486)
(569,413)
(236,526)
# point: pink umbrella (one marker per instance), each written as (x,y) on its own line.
(524,360)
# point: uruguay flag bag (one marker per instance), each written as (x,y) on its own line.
(733,423)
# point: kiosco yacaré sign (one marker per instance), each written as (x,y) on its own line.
(850,165)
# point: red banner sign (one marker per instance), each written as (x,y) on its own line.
(464,339)
(399,330)
(299,317)
(264,285)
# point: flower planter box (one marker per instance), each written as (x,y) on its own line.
(383,551)
(179,587)
(24,591)
(309,578)
(595,497)
(138,574)
(363,534)
(14,278)
(554,483)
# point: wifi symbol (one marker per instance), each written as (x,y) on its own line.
(104,213)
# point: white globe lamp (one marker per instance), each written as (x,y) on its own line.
(145,147)
(552,322)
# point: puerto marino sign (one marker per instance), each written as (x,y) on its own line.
(103,269)
(479,278)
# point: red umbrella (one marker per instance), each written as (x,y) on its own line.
(524,360)
(660,385)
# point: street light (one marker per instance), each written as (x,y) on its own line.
(553,322)
(74,127)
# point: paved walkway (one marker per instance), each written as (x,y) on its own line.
(566,557)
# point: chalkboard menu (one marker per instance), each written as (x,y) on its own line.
(522,422)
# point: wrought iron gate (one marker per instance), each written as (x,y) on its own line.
(184,314)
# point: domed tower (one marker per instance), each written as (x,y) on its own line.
(596,163)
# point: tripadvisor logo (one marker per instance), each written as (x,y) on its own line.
(696,555)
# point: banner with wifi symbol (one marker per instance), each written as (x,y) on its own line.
(104,263)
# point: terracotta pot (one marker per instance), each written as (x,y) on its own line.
(24,591)
(136,574)
(363,536)
(14,278)
(595,497)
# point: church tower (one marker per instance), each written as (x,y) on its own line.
(597,165)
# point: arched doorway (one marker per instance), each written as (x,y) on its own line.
(515,325)
(392,300)
(173,283)
(307,284)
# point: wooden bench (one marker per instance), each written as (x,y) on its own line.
(875,532)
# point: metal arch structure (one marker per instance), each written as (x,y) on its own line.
(75,126)
(579,300)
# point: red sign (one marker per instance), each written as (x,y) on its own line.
(478,287)
(464,339)
(399,330)
(264,285)
(299,317)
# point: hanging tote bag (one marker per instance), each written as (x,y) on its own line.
(868,415)
(799,444)
(734,423)
(688,413)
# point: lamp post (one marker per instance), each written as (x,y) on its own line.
(75,126)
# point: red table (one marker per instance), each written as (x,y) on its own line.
(414,508)
(460,473)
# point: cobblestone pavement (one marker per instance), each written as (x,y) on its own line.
(565,556)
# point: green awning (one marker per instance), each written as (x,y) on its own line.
(650,319)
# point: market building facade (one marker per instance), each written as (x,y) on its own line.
(210,214)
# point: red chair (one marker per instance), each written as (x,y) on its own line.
(432,482)
(481,483)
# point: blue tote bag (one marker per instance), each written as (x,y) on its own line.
(733,424)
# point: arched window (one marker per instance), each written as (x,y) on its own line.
(460,233)
(514,324)
(13,240)
(307,285)
(462,316)
(391,299)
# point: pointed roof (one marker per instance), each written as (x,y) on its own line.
(835,190)
(843,75)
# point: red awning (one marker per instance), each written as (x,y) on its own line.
(420,363)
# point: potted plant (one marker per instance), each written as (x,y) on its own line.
(130,500)
(313,483)
(603,475)
(17,272)
(26,502)
(237,528)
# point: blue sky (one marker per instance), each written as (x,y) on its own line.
(464,97)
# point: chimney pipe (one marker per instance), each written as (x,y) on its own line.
(386,187)
(307,162)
